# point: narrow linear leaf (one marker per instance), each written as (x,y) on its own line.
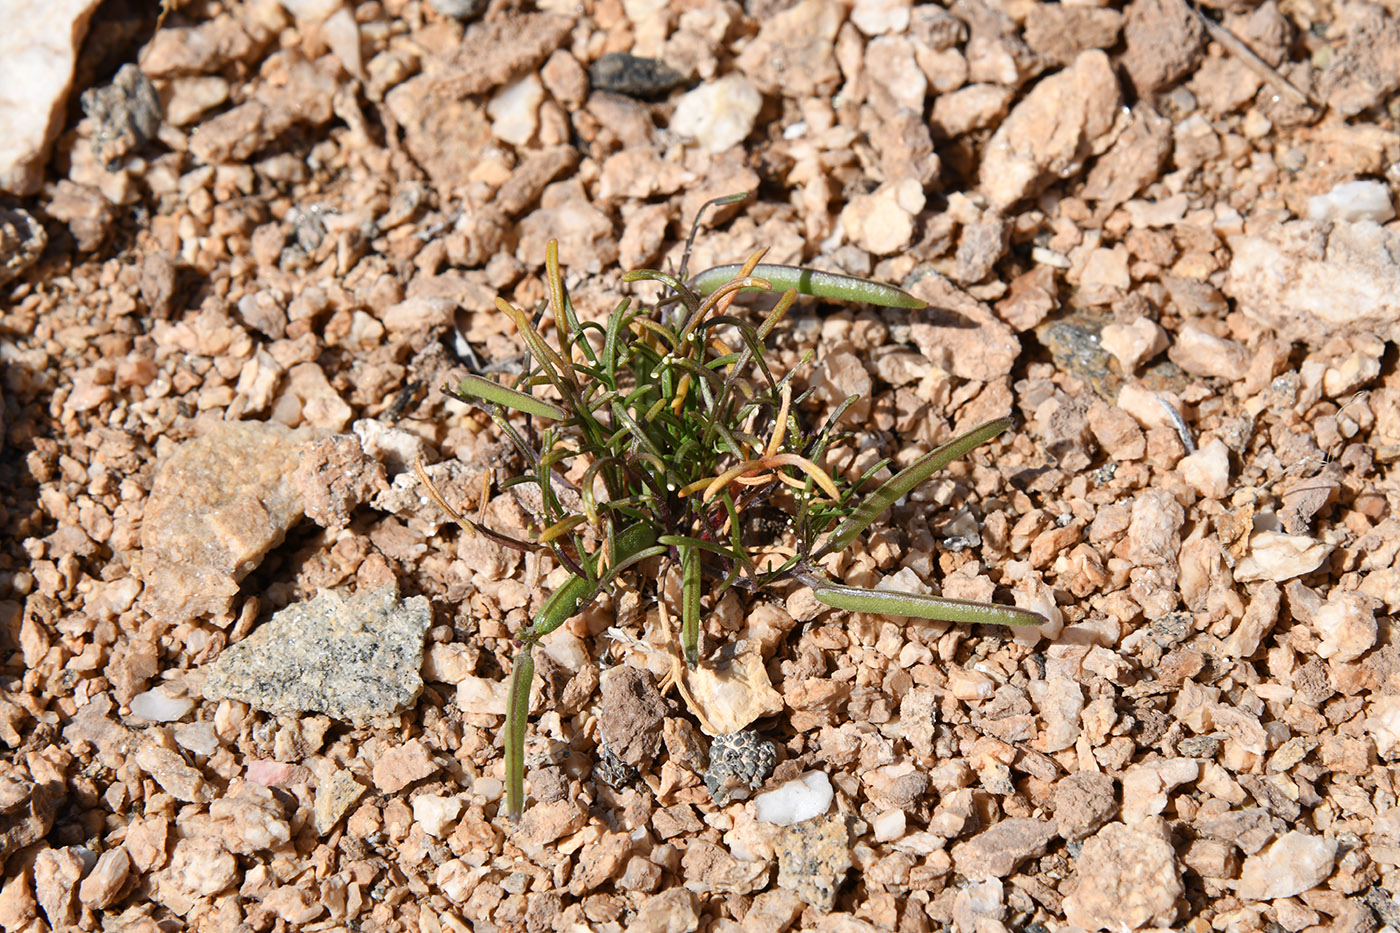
(679,541)
(690,604)
(552,363)
(478,387)
(906,480)
(517,712)
(561,528)
(921,606)
(810,282)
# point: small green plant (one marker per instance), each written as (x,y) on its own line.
(675,431)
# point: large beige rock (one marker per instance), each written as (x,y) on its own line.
(38,48)
(1063,120)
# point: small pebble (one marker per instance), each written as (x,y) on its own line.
(801,799)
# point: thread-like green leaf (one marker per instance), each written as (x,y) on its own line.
(903,482)
(810,282)
(921,606)
(487,390)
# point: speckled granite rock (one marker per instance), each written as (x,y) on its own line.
(351,657)
(813,858)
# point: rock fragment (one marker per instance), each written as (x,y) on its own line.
(38,49)
(335,795)
(403,764)
(22,240)
(1310,282)
(1165,41)
(882,222)
(960,334)
(1083,802)
(813,858)
(219,503)
(27,811)
(56,874)
(793,53)
(1050,134)
(718,114)
(632,716)
(1295,863)
(1363,73)
(1208,469)
(1275,556)
(1128,879)
(104,884)
(335,476)
(127,114)
(671,911)
(625,73)
(739,763)
(1346,626)
(352,657)
(496,52)
(997,850)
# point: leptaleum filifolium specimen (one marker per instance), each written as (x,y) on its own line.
(675,431)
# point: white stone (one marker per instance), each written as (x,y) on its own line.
(1208,469)
(1347,626)
(889,826)
(1383,724)
(803,798)
(1295,863)
(38,48)
(434,813)
(159,706)
(875,17)
(514,110)
(1276,556)
(718,114)
(1352,201)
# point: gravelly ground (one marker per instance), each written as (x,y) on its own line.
(227,314)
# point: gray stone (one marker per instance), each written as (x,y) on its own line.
(353,658)
(127,114)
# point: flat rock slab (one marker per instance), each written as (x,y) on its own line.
(217,506)
(38,49)
(1312,281)
(353,657)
